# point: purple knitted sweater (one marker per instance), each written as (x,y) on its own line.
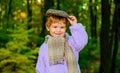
(77,42)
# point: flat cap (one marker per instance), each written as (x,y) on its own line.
(56,13)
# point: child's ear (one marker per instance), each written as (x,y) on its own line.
(47,28)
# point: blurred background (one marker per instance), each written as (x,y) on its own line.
(22,31)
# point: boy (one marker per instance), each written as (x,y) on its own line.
(60,52)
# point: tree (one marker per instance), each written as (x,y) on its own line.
(105,50)
(47,4)
(93,18)
(6,17)
(58,4)
(115,33)
(29,12)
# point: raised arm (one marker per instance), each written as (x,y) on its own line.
(79,36)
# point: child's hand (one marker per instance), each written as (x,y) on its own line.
(72,20)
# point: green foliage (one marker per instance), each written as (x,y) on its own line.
(20,52)
(117,62)
(117,67)
(4,38)
(89,57)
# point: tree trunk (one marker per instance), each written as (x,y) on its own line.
(58,4)
(47,5)
(29,13)
(6,25)
(105,50)
(116,23)
(93,18)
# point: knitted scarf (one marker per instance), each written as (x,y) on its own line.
(58,49)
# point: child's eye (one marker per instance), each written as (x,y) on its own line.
(54,26)
(62,27)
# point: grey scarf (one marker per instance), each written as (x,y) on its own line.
(58,49)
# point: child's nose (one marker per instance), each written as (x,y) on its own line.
(58,29)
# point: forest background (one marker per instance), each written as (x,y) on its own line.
(22,31)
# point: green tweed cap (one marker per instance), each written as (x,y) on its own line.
(56,13)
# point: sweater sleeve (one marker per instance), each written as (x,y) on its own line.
(79,36)
(40,65)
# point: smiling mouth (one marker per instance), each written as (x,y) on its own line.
(57,33)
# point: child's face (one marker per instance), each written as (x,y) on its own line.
(57,29)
